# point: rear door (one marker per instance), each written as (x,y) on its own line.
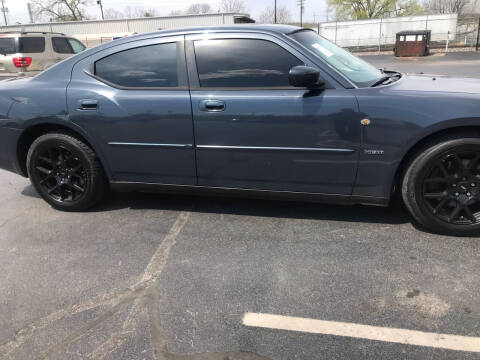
(134,99)
(253,130)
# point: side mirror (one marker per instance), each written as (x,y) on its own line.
(305,76)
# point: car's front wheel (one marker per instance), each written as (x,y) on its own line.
(65,172)
(441,186)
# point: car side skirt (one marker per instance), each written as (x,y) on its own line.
(248,193)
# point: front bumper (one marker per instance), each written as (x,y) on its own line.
(8,149)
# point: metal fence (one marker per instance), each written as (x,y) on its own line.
(448,31)
(94,32)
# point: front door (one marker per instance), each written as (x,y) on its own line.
(134,99)
(254,131)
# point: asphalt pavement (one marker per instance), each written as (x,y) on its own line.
(150,276)
(455,63)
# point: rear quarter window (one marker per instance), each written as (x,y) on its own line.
(33,44)
(142,67)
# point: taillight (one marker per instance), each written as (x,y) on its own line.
(22,61)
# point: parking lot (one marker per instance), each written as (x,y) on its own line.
(460,64)
(152,276)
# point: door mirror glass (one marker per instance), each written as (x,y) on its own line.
(305,76)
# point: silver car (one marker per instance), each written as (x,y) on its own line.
(28,53)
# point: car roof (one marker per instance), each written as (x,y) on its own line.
(29,33)
(270,28)
(276,28)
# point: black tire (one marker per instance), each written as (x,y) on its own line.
(441,186)
(65,172)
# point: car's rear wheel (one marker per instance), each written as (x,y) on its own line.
(65,172)
(441,186)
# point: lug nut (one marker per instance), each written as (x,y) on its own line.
(454,185)
(468,194)
(456,194)
(473,184)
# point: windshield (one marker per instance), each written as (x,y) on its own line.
(355,69)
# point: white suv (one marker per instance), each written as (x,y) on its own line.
(28,53)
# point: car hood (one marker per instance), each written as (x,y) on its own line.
(437,83)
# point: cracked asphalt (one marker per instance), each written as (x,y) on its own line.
(150,276)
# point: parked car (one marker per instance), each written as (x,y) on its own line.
(255,110)
(28,53)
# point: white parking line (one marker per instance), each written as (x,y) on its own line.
(401,336)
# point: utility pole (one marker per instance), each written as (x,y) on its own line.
(99,3)
(478,34)
(30,15)
(301,3)
(275,12)
(4,10)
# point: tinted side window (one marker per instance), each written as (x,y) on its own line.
(31,44)
(61,46)
(243,63)
(146,67)
(7,46)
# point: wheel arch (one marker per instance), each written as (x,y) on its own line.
(32,132)
(424,142)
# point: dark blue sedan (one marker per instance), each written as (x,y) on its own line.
(255,110)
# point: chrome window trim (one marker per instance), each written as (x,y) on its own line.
(118,143)
(282,148)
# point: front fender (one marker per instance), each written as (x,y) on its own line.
(398,121)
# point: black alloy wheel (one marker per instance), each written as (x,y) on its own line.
(451,188)
(62,175)
(441,187)
(65,172)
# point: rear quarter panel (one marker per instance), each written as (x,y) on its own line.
(27,102)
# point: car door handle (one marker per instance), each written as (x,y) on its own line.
(212,105)
(88,104)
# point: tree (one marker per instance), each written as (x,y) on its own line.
(139,12)
(111,14)
(369,9)
(409,8)
(448,6)
(176,12)
(199,8)
(150,12)
(284,15)
(233,6)
(59,10)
